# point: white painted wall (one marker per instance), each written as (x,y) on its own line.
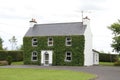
(88,55)
(95,58)
(50,52)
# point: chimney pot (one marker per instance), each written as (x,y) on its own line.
(86,18)
(32,22)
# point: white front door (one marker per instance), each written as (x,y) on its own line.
(46,57)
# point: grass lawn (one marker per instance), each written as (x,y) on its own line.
(42,74)
(107,63)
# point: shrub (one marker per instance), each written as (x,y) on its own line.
(9,59)
(117,63)
(16,55)
(104,57)
(2,63)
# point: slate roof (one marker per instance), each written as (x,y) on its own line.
(57,29)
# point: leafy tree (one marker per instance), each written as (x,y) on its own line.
(20,48)
(13,42)
(115,28)
(1,46)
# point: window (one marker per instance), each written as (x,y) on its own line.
(68,56)
(68,41)
(34,42)
(34,56)
(50,41)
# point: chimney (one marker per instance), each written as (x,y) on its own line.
(32,22)
(86,21)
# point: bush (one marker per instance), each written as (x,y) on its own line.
(117,63)
(2,63)
(103,57)
(16,55)
(9,59)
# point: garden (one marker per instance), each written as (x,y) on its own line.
(15,58)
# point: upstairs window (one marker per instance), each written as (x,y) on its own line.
(50,41)
(68,41)
(68,56)
(34,56)
(34,42)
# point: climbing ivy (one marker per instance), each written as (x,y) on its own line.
(59,48)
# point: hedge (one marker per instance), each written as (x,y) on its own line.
(59,50)
(16,55)
(103,57)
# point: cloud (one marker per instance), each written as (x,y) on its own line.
(92,4)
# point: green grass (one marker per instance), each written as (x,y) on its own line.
(17,63)
(107,63)
(42,74)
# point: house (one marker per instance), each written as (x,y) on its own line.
(95,57)
(59,44)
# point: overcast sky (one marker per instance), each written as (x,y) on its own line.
(16,14)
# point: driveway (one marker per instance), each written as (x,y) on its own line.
(103,72)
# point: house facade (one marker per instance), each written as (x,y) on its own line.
(95,57)
(59,44)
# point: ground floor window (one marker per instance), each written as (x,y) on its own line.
(68,56)
(34,56)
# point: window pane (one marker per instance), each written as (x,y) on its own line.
(68,38)
(68,54)
(68,41)
(34,58)
(34,39)
(68,58)
(34,42)
(50,41)
(34,53)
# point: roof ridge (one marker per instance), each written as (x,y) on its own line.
(58,23)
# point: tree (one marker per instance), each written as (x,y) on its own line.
(20,47)
(13,42)
(115,28)
(1,46)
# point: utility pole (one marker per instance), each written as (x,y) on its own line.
(82,15)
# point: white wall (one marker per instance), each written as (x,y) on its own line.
(88,55)
(95,58)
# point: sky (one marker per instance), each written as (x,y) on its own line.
(16,14)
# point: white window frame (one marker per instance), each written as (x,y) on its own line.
(68,40)
(50,42)
(66,56)
(34,40)
(34,55)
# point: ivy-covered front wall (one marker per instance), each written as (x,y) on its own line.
(59,49)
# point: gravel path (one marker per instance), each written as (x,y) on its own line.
(103,72)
